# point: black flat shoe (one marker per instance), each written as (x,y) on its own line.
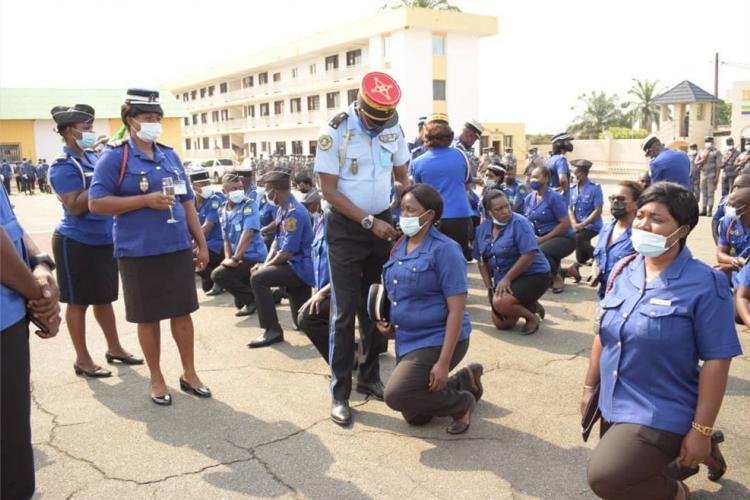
(201,392)
(529,330)
(269,337)
(375,389)
(165,400)
(216,290)
(459,427)
(540,310)
(341,413)
(246,310)
(126,360)
(98,373)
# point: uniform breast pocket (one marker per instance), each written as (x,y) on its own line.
(387,153)
(420,275)
(606,312)
(659,323)
(357,156)
(136,183)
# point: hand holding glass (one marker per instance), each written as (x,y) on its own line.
(167,188)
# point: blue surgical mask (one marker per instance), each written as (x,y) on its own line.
(207,192)
(261,192)
(490,183)
(650,244)
(535,185)
(87,140)
(410,225)
(237,196)
(150,131)
(498,223)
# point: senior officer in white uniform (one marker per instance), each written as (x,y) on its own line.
(358,153)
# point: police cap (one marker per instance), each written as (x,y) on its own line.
(563,136)
(198,174)
(497,167)
(437,118)
(648,142)
(709,139)
(582,164)
(474,126)
(143,101)
(79,113)
(277,179)
(378,96)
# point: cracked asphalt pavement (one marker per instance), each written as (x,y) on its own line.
(266,432)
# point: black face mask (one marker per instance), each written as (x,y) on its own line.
(568,146)
(618,209)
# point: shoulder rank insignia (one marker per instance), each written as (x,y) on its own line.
(325,142)
(117,143)
(248,209)
(337,120)
(215,204)
(290,224)
(388,137)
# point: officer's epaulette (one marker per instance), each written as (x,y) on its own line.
(62,157)
(338,120)
(116,144)
(163,145)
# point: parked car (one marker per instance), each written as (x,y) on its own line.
(218,167)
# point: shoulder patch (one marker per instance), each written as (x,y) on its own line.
(215,204)
(290,224)
(338,120)
(324,142)
(248,209)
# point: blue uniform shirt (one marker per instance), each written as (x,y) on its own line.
(294,235)
(516,193)
(145,231)
(238,219)
(365,176)
(743,277)
(584,200)
(208,211)
(320,253)
(515,239)
(448,171)
(12,305)
(733,235)
(607,257)
(267,212)
(72,173)
(653,335)
(6,171)
(419,285)
(546,213)
(557,166)
(671,166)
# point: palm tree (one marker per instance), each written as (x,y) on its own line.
(643,107)
(424,4)
(600,112)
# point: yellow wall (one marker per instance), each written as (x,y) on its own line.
(19,132)
(439,69)
(440,107)
(171,136)
(496,132)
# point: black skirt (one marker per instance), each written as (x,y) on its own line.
(158,286)
(86,274)
(529,289)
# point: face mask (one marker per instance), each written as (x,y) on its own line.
(650,244)
(568,147)
(87,140)
(535,185)
(237,196)
(271,202)
(325,206)
(708,145)
(498,223)
(618,210)
(733,212)
(207,192)
(149,132)
(261,192)
(747,148)
(490,183)
(573,180)
(410,225)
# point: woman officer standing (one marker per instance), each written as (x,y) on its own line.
(152,236)
(548,213)
(513,268)
(82,242)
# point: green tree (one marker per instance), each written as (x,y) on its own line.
(723,113)
(599,112)
(425,4)
(643,109)
(535,139)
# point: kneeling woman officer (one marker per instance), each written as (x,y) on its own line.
(152,237)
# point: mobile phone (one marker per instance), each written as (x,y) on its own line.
(42,327)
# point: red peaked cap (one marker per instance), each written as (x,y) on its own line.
(379,94)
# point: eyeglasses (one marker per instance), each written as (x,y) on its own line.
(614,198)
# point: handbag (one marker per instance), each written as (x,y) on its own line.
(591,414)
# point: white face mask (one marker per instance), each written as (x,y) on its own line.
(747,147)
(207,192)
(651,244)
(708,145)
(410,225)
(149,131)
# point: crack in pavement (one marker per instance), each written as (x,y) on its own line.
(265,368)
(571,358)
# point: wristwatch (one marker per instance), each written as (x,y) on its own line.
(368,221)
(42,258)
(235,259)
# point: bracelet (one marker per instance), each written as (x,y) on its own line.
(589,387)
(703,429)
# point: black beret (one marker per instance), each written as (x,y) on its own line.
(584,164)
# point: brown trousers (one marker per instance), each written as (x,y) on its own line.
(407,389)
(634,461)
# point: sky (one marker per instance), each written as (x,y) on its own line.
(544,56)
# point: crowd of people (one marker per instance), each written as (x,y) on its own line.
(373,230)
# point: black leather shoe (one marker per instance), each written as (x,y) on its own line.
(126,360)
(375,389)
(201,392)
(269,337)
(216,290)
(341,413)
(99,372)
(165,400)
(246,310)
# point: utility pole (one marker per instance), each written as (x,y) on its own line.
(714,116)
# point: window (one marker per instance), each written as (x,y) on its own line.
(195,119)
(188,144)
(186,121)
(224,115)
(296,147)
(193,95)
(294,72)
(262,78)
(281,148)
(351,95)
(332,62)
(438,90)
(225,144)
(295,105)
(222,161)
(387,47)
(313,69)
(203,93)
(354,57)
(211,90)
(205,143)
(332,100)
(204,117)
(438,45)
(264,109)
(278,107)
(248,82)
(214,116)
(313,145)
(313,102)
(185,97)
(277,77)
(223,88)
(508,141)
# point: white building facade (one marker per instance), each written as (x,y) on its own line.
(275,102)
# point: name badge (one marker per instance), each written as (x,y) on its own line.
(238,227)
(180,187)
(660,302)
